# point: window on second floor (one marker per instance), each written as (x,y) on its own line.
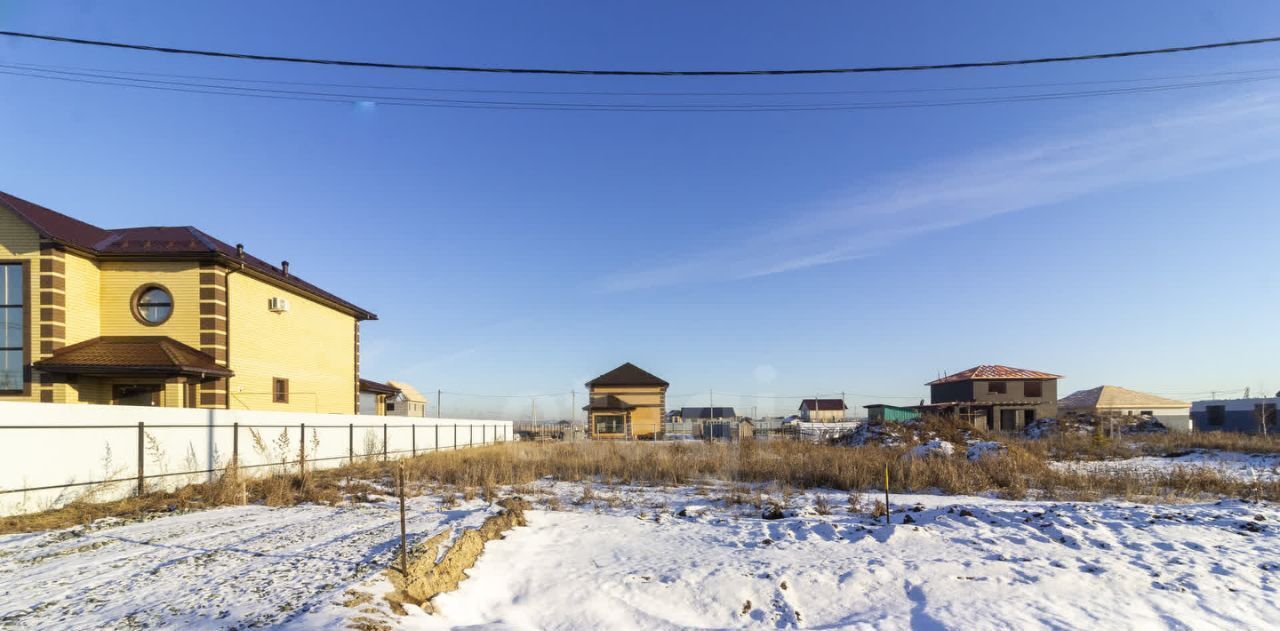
(152,304)
(1034,389)
(997,387)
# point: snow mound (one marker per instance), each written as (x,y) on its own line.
(935,447)
(984,448)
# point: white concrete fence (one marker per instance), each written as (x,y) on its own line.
(52,454)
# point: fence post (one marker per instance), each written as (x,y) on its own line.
(455,436)
(302,453)
(351,443)
(471,435)
(413,434)
(404,546)
(141,472)
(384,442)
(436,445)
(235,446)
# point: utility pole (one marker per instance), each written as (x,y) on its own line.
(573,408)
(844,408)
(439,410)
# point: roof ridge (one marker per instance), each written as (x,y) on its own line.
(164,347)
(203,237)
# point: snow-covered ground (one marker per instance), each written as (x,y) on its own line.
(1249,467)
(648,557)
(238,567)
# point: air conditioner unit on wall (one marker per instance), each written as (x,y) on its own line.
(278,305)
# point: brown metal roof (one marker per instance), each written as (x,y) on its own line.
(993,371)
(157,241)
(627,374)
(824,404)
(368,385)
(151,355)
(607,402)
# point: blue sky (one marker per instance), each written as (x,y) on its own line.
(1124,239)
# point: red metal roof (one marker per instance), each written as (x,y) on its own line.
(156,241)
(993,371)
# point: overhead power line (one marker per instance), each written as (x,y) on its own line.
(642,73)
(418,88)
(454,103)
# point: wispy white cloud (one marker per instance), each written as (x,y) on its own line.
(1208,136)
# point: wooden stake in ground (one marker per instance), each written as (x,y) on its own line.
(404,552)
(886,495)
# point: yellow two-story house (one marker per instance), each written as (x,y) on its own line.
(164,316)
(626,402)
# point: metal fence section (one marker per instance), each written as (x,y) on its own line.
(51,454)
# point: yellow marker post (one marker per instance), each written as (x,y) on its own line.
(886,494)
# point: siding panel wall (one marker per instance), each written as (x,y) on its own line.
(311,345)
(121,278)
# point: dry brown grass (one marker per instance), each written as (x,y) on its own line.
(1092,447)
(792,465)
(1022,471)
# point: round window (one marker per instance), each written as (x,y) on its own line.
(152,304)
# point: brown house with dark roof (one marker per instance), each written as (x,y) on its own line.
(823,410)
(164,315)
(626,402)
(995,397)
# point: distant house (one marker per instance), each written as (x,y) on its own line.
(1112,401)
(626,402)
(994,397)
(892,413)
(1235,415)
(822,410)
(409,402)
(706,414)
(374,396)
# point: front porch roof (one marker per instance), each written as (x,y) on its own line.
(607,402)
(142,355)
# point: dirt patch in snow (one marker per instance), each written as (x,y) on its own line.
(430,574)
